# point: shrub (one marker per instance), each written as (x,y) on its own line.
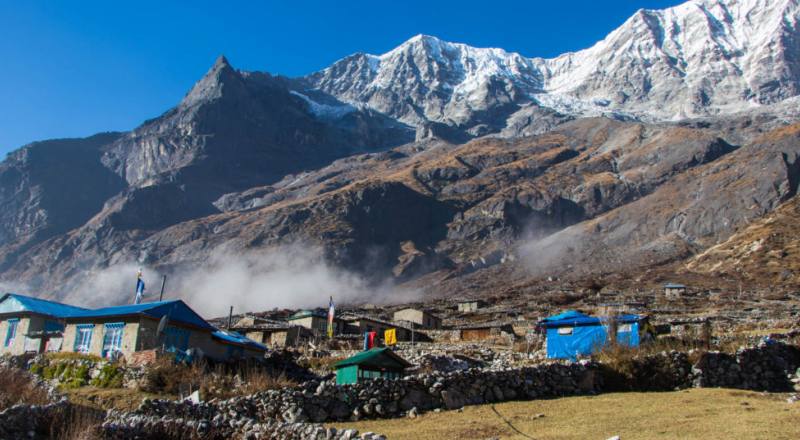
(111,376)
(224,381)
(17,386)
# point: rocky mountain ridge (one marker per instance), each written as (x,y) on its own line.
(436,165)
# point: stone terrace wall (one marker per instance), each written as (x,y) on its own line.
(324,401)
(764,368)
(32,421)
(124,426)
(286,413)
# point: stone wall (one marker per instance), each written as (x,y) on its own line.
(32,421)
(296,412)
(764,368)
(318,402)
(124,426)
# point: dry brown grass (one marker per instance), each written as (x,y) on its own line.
(165,377)
(81,424)
(126,399)
(17,386)
(256,379)
(691,414)
(322,363)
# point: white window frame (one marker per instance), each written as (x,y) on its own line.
(565,331)
(83,338)
(11,332)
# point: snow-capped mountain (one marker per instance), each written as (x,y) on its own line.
(700,58)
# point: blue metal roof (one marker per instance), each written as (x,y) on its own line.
(674,286)
(175,310)
(42,306)
(574,318)
(237,339)
(320,313)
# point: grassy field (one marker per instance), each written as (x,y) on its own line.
(691,414)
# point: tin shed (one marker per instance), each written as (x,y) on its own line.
(572,334)
(378,362)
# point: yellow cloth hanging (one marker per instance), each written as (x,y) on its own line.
(390,337)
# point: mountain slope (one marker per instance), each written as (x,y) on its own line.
(436,161)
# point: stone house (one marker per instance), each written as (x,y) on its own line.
(271,332)
(470,305)
(674,290)
(130,329)
(482,332)
(317,322)
(358,324)
(418,317)
(32,325)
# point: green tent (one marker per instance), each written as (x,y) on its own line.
(378,362)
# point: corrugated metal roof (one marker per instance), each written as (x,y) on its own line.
(43,306)
(237,339)
(575,318)
(371,356)
(175,310)
(306,313)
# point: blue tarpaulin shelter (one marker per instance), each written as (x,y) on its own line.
(571,334)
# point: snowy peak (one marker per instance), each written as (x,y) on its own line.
(427,79)
(700,58)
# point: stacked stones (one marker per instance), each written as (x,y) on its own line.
(756,368)
(122,426)
(454,357)
(32,421)
(318,402)
(664,371)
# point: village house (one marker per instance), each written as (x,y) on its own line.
(359,324)
(470,306)
(32,325)
(120,331)
(418,318)
(483,332)
(271,332)
(674,290)
(316,321)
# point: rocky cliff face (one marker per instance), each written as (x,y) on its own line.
(50,187)
(384,163)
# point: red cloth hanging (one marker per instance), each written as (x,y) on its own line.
(372,339)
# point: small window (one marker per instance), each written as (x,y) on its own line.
(11,334)
(621,328)
(566,331)
(83,338)
(112,340)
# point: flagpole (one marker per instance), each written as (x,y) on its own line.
(163,283)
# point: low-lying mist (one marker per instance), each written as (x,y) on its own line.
(289,276)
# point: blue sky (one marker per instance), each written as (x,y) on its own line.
(76,68)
